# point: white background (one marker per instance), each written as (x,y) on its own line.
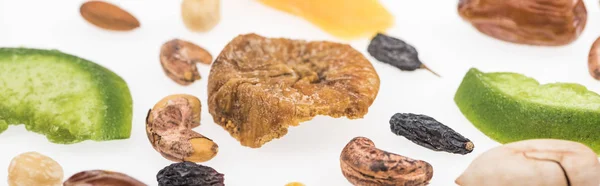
(308,153)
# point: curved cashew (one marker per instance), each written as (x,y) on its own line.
(169,128)
(364,165)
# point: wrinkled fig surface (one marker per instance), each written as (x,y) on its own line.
(532,22)
(169,128)
(101,178)
(365,165)
(259,86)
(534,162)
(178,59)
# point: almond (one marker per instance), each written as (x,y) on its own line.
(108,16)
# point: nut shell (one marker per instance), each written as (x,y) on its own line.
(532,22)
(534,162)
(178,58)
(169,129)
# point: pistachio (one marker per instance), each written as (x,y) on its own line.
(101,178)
(534,162)
(178,59)
(108,16)
(200,15)
(169,128)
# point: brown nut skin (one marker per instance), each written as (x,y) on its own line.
(101,178)
(364,165)
(169,128)
(108,16)
(531,22)
(594,60)
(178,59)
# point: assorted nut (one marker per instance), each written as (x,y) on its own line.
(178,59)
(534,162)
(189,174)
(101,178)
(201,15)
(108,16)
(365,165)
(533,22)
(32,168)
(594,60)
(169,128)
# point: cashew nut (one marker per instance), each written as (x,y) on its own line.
(364,165)
(169,128)
(534,162)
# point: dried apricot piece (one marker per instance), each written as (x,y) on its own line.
(341,18)
(260,86)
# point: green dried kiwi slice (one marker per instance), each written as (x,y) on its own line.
(510,107)
(64,97)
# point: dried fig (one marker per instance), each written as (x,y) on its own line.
(178,59)
(101,178)
(108,16)
(532,22)
(364,165)
(259,86)
(169,128)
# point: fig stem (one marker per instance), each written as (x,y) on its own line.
(428,69)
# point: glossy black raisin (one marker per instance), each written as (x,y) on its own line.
(189,174)
(396,52)
(427,132)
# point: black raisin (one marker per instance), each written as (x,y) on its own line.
(395,52)
(189,174)
(427,132)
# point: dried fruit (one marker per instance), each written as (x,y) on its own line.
(108,16)
(363,164)
(178,59)
(189,174)
(169,128)
(594,60)
(532,22)
(32,168)
(294,184)
(64,97)
(341,18)
(534,162)
(510,107)
(201,15)
(396,52)
(101,178)
(429,133)
(260,86)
